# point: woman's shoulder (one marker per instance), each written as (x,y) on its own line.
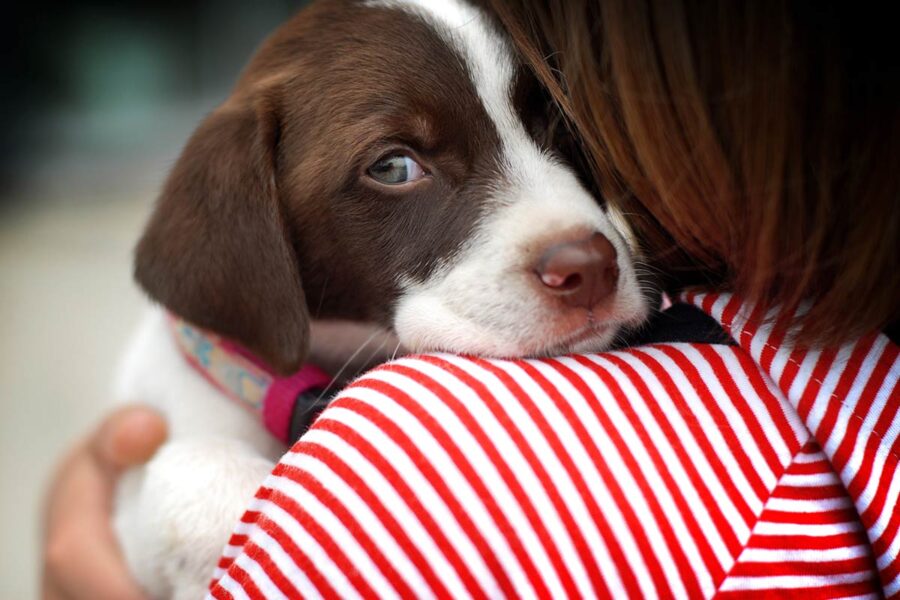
(556,477)
(567,476)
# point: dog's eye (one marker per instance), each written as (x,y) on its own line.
(396,169)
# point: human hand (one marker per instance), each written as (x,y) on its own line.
(81,558)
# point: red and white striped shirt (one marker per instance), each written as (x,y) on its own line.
(664,470)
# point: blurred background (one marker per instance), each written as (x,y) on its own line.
(97,99)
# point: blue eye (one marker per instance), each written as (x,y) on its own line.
(396,169)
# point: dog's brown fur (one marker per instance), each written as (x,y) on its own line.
(267,214)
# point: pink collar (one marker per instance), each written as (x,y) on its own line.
(245,379)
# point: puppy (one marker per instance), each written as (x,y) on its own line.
(380,161)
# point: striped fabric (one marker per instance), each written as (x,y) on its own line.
(670,470)
(808,536)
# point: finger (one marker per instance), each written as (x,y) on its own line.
(50,591)
(86,566)
(128,437)
(82,557)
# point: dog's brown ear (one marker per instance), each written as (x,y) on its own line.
(216,250)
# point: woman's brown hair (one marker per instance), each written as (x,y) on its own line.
(754,144)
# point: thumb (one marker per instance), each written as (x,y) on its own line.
(128,437)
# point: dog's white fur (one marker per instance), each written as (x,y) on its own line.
(486,303)
(175,514)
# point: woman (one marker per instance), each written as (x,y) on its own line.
(754,145)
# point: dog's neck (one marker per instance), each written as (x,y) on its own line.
(287,405)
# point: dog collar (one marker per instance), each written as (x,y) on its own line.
(287,405)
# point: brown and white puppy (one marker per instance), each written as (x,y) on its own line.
(382,161)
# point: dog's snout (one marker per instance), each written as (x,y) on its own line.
(581,273)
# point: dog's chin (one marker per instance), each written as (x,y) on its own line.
(427,323)
(586,338)
(595,337)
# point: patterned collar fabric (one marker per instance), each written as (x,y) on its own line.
(245,379)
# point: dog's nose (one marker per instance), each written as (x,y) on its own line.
(581,273)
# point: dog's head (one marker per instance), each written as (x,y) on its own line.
(387,160)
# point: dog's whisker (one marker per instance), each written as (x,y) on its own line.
(322,297)
(396,350)
(324,393)
(374,353)
(350,360)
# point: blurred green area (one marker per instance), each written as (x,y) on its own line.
(94,93)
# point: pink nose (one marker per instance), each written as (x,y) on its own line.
(581,273)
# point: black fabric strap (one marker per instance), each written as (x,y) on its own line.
(680,323)
(306,408)
(688,323)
